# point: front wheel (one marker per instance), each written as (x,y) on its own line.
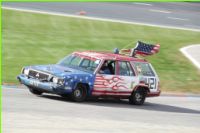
(79,94)
(34,91)
(138,97)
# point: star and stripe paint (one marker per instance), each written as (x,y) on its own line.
(112,85)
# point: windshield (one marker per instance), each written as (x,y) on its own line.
(81,63)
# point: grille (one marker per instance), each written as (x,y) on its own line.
(38,75)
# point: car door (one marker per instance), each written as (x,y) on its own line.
(105,78)
(121,82)
(127,74)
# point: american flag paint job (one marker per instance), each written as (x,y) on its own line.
(99,84)
(113,84)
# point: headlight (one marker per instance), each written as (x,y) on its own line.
(55,80)
(26,71)
(61,81)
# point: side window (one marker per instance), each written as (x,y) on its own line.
(108,67)
(125,69)
(89,64)
(143,69)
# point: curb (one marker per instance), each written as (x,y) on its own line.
(189,56)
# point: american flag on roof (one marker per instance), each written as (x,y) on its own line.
(142,49)
(146,49)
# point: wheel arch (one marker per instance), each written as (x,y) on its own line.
(145,87)
(139,94)
(85,84)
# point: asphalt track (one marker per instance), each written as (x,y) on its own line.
(23,112)
(186,15)
(26,113)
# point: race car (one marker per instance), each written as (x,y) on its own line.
(97,74)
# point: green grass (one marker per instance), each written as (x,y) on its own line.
(30,39)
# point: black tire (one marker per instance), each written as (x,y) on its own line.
(79,94)
(138,97)
(34,91)
(66,96)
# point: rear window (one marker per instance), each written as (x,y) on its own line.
(143,69)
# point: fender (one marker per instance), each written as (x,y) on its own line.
(86,84)
(141,86)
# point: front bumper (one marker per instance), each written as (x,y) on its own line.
(44,86)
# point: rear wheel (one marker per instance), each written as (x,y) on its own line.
(79,94)
(138,97)
(34,91)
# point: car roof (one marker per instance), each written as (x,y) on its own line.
(107,56)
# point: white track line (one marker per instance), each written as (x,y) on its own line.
(96,18)
(145,4)
(160,11)
(183,19)
(184,51)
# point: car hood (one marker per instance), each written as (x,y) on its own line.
(58,70)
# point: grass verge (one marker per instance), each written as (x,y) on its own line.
(30,39)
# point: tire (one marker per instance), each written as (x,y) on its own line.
(34,91)
(138,97)
(79,94)
(66,96)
